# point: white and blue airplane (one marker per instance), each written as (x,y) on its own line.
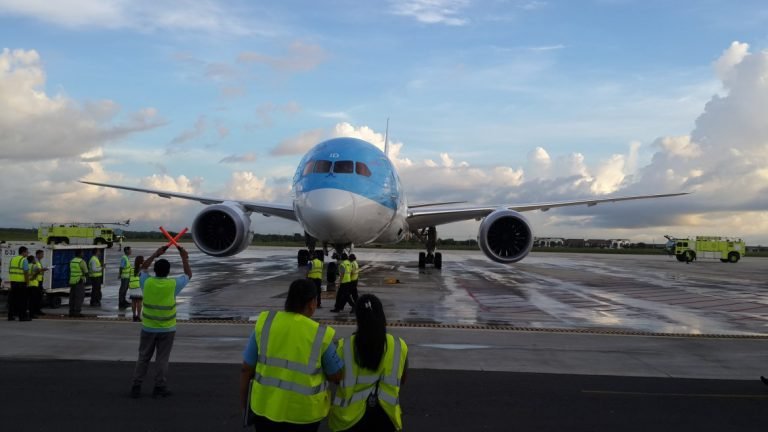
(346,193)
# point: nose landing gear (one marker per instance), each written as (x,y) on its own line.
(428,236)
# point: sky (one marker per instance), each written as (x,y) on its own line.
(489,102)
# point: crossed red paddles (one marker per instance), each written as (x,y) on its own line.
(173,241)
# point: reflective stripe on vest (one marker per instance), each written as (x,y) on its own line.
(126,269)
(35,281)
(349,402)
(316,272)
(347,272)
(354,272)
(40,275)
(75,271)
(135,282)
(159,306)
(288,369)
(94,266)
(16,269)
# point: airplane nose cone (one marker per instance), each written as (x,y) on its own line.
(328,211)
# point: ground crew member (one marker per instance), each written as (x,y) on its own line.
(354,275)
(315,274)
(18,273)
(158,319)
(134,289)
(375,364)
(96,272)
(344,295)
(78,272)
(286,364)
(33,296)
(126,270)
(36,296)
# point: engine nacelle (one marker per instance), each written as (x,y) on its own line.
(222,230)
(505,236)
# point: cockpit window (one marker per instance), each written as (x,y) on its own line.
(308,167)
(362,169)
(343,167)
(322,166)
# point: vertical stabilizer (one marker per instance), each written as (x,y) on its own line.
(386,139)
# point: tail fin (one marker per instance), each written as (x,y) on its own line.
(386,139)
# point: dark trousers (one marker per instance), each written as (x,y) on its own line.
(318,285)
(344,296)
(76,297)
(35,300)
(96,291)
(18,300)
(121,300)
(162,343)
(374,420)
(353,291)
(263,424)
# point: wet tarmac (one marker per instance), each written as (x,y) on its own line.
(633,293)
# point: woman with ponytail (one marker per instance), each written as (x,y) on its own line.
(368,397)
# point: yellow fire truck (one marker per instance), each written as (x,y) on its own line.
(80,233)
(726,249)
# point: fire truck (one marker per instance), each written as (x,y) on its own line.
(726,249)
(80,233)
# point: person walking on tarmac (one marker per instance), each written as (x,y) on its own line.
(158,319)
(315,274)
(286,364)
(35,275)
(78,272)
(375,365)
(344,294)
(126,270)
(18,274)
(96,273)
(354,274)
(134,289)
(36,295)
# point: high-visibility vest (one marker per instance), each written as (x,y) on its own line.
(126,269)
(94,267)
(134,283)
(347,277)
(75,271)
(354,273)
(316,272)
(159,307)
(16,269)
(350,400)
(36,281)
(289,384)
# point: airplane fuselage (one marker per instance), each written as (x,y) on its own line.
(347,191)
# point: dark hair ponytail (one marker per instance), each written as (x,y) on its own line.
(371,335)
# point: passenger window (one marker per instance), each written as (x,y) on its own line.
(343,167)
(362,169)
(322,166)
(308,167)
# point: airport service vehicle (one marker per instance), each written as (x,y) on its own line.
(79,233)
(347,192)
(56,259)
(726,249)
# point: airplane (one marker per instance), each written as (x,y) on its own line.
(346,193)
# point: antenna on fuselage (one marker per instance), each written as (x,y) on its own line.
(386,139)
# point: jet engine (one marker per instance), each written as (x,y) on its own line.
(222,230)
(505,236)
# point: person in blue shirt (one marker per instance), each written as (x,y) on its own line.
(158,319)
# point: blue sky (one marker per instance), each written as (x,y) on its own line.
(520,100)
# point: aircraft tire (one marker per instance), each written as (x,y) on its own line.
(422,259)
(438,260)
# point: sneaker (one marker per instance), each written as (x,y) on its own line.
(136,391)
(159,392)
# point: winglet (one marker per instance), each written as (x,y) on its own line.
(386,139)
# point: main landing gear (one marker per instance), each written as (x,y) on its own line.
(305,255)
(428,236)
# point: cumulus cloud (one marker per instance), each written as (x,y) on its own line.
(301,57)
(446,12)
(36,125)
(245,185)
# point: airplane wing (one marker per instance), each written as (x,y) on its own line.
(423,217)
(267,209)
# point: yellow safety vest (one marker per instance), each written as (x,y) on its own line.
(354,273)
(75,271)
(16,269)
(289,384)
(95,268)
(134,282)
(347,271)
(159,307)
(35,282)
(316,272)
(350,399)
(127,271)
